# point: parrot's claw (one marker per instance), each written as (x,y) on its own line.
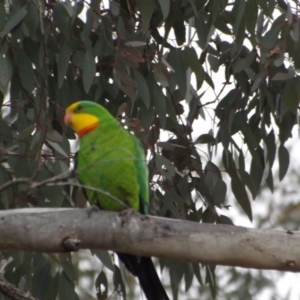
(125,214)
(92,209)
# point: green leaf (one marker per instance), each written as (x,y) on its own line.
(241,196)
(271,37)
(104,258)
(204,139)
(264,6)
(221,25)
(196,269)
(240,35)
(68,7)
(241,161)
(214,183)
(66,289)
(229,163)
(146,8)
(101,285)
(26,72)
(53,194)
(160,74)
(176,274)
(7,195)
(213,169)
(143,90)
(295,31)
(118,282)
(286,125)
(3,14)
(251,17)
(241,121)
(62,18)
(202,32)
(284,76)
(259,79)
(37,141)
(78,59)
(239,24)
(213,62)
(32,19)
(165,7)
(53,136)
(24,168)
(52,289)
(215,6)
(193,62)
(164,166)
(6,134)
(284,161)
(290,95)
(176,60)
(219,192)
(5,73)
(159,99)
(209,80)
(89,69)
(243,62)
(172,202)
(271,147)
(63,63)
(48,196)
(269,181)
(248,181)
(57,148)
(211,280)
(257,167)
(15,18)
(41,280)
(225,220)
(114,8)
(66,263)
(179,30)
(188,276)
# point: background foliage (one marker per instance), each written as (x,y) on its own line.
(164,68)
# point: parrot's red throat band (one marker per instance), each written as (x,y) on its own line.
(86,130)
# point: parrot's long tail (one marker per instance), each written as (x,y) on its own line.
(143,268)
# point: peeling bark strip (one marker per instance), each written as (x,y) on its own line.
(60,230)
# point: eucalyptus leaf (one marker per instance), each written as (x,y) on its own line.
(89,69)
(284,161)
(15,18)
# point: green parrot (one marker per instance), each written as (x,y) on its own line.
(111,159)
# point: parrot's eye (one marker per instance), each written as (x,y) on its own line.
(79,108)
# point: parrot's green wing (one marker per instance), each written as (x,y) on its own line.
(112,160)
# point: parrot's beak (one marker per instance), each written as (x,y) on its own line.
(68,118)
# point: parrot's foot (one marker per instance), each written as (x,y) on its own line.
(125,214)
(92,209)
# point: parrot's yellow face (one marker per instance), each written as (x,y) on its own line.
(80,117)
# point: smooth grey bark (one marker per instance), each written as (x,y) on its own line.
(60,230)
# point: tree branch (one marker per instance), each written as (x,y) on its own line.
(12,292)
(8,289)
(63,229)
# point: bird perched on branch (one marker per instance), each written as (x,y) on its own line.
(112,160)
